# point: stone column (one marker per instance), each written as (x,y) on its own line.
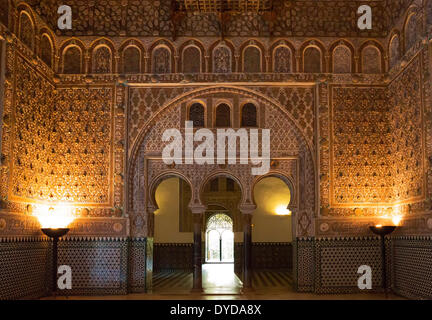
(198,214)
(247,211)
(326,66)
(357,64)
(87,62)
(298,67)
(149,249)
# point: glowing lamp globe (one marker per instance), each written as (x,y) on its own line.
(57,218)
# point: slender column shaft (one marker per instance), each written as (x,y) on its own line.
(54,264)
(247,254)
(197,258)
(384,264)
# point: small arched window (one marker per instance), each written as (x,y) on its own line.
(196,114)
(72,60)
(131,60)
(394,51)
(341,59)
(46,50)
(252,60)
(161,61)
(191,60)
(249,115)
(411,31)
(102,60)
(282,59)
(223,115)
(26,31)
(371,60)
(312,60)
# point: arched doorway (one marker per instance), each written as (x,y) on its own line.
(219,239)
(272,234)
(173,237)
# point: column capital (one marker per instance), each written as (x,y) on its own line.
(151,208)
(197,208)
(247,208)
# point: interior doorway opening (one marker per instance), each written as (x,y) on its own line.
(219,239)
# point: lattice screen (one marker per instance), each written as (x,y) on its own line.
(225,5)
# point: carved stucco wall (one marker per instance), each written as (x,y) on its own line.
(37,88)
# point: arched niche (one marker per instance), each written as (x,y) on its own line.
(102,59)
(252,59)
(131,60)
(191,58)
(372,60)
(394,50)
(222,59)
(342,59)
(46,50)
(161,60)
(312,60)
(26,30)
(411,30)
(72,60)
(282,59)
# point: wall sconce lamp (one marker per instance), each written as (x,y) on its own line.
(382,231)
(54,224)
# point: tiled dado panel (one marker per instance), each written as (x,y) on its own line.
(24,266)
(99,266)
(338,260)
(304,264)
(330,265)
(412,269)
(140,266)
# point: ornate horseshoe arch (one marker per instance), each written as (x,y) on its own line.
(293,157)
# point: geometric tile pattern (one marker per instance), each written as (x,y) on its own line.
(24,266)
(305,264)
(98,267)
(412,269)
(337,262)
(137,265)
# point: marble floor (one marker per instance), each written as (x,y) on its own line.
(221,279)
(221,283)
